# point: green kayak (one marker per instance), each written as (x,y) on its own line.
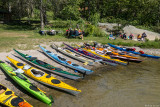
(45,66)
(23,81)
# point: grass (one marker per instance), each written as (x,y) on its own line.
(27,37)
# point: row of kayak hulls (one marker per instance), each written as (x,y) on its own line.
(47,67)
(134,52)
(112,55)
(72,55)
(112,58)
(35,74)
(43,77)
(89,55)
(50,68)
(104,56)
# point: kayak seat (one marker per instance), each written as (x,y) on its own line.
(16,101)
(20,76)
(48,76)
(8,93)
(32,58)
(40,62)
(32,87)
(20,64)
(58,69)
(55,81)
(37,73)
(75,65)
(63,59)
(48,51)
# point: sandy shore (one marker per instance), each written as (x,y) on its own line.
(5,79)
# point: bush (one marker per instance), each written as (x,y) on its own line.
(146,40)
(134,22)
(156,28)
(89,29)
(94,19)
(60,24)
(157,40)
(98,32)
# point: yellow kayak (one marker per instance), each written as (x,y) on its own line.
(124,55)
(8,98)
(104,56)
(44,78)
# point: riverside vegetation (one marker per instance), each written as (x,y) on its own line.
(21,36)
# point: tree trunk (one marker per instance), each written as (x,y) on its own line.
(41,15)
(9,7)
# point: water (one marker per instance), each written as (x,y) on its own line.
(135,85)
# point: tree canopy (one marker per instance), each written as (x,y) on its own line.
(140,12)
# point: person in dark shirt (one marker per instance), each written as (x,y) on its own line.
(76,33)
(71,33)
(124,36)
(143,36)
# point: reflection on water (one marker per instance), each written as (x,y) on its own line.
(135,85)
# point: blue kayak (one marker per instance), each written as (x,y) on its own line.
(134,52)
(65,62)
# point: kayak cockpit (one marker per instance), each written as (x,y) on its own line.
(63,59)
(37,73)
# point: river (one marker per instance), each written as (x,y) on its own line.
(135,85)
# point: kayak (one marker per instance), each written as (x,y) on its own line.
(8,98)
(105,56)
(44,78)
(134,52)
(106,50)
(72,55)
(23,81)
(90,55)
(45,66)
(66,62)
(126,59)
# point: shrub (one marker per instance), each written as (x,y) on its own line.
(156,28)
(89,29)
(157,40)
(94,19)
(98,32)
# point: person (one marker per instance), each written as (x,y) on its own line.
(67,32)
(124,36)
(76,33)
(42,32)
(121,36)
(71,33)
(131,36)
(138,37)
(111,36)
(80,32)
(143,36)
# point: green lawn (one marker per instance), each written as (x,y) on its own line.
(26,37)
